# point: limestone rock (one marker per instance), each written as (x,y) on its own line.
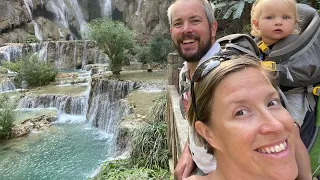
(34,124)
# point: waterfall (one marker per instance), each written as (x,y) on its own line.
(11,53)
(37,32)
(63,14)
(138,9)
(84,54)
(61,54)
(6,85)
(60,9)
(81,22)
(43,52)
(106,8)
(106,107)
(76,105)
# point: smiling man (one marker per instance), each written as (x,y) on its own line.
(193,30)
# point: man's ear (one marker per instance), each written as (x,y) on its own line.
(207,133)
(214,27)
(256,24)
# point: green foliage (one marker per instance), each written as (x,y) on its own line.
(122,169)
(11,66)
(234,8)
(31,39)
(3,70)
(32,70)
(149,144)
(159,47)
(7,116)
(114,38)
(143,54)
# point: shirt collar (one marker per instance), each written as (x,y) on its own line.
(213,50)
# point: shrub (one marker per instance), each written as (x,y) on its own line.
(34,71)
(114,38)
(31,39)
(15,67)
(7,116)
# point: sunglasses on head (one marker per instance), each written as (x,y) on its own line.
(201,72)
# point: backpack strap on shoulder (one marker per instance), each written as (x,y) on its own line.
(263,47)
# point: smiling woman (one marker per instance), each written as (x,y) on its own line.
(239,117)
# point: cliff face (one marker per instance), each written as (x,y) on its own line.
(13,19)
(143,16)
(66,19)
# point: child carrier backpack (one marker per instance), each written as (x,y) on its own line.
(297,61)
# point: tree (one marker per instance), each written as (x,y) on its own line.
(160,46)
(114,38)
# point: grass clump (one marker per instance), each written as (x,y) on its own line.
(7,115)
(124,170)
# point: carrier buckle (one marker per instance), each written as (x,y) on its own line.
(316,90)
(269,65)
(263,46)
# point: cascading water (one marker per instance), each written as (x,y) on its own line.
(63,14)
(38,34)
(139,7)
(62,54)
(6,86)
(60,9)
(106,115)
(43,52)
(80,19)
(71,148)
(106,9)
(65,104)
(11,52)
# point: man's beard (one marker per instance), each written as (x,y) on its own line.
(195,57)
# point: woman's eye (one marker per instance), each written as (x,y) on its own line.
(241,112)
(273,103)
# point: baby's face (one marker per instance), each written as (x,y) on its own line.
(277,21)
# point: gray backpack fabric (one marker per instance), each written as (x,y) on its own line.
(234,44)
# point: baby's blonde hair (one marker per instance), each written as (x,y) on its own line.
(256,11)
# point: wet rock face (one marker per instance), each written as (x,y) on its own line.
(143,16)
(13,18)
(12,15)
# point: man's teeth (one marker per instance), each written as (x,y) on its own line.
(188,41)
(274,149)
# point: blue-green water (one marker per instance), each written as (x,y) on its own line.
(70,149)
